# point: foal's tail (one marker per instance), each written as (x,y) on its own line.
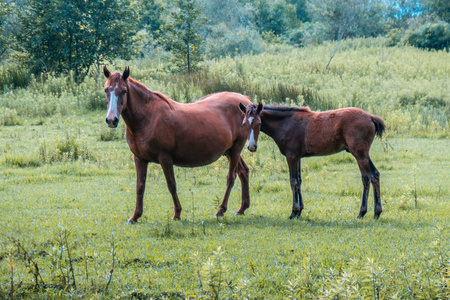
(379,126)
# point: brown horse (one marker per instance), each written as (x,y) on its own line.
(163,131)
(300,132)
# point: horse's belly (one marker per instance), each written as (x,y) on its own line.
(191,161)
(323,149)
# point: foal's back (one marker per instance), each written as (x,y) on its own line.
(336,130)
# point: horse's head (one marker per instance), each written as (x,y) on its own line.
(253,119)
(116,98)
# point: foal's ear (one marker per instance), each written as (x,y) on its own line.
(259,108)
(126,73)
(242,107)
(106,72)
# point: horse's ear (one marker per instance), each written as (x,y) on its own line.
(242,107)
(106,72)
(126,73)
(259,108)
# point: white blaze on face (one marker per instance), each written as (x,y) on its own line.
(250,120)
(112,103)
(251,140)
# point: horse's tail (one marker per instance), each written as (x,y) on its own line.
(379,125)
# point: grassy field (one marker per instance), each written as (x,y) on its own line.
(67,187)
(327,252)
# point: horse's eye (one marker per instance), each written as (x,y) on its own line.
(259,125)
(106,90)
(124,92)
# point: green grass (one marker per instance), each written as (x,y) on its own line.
(326,252)
(67,188)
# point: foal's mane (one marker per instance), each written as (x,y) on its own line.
(286,108)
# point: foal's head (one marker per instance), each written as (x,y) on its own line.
(253,119)
(116,99)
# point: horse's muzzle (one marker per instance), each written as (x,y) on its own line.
(252,148)
(113,123)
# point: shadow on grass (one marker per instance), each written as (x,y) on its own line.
(221,226)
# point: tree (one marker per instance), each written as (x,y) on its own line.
(4,9)
(151,12)
(274,16)
(72,35)
(230,30)
(439,8)
(181,36)
(334,20)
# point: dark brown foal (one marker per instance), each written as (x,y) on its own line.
(300,132)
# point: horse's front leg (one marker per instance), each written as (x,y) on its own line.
(141,175)
(166,162)
(295,178)
(242,171)
(231,177)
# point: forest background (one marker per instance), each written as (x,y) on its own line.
(67,181)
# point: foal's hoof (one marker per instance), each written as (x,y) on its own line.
(239,214)
(218,215)
(361,214)
(131,222)
(295,214)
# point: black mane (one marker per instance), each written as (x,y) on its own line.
(284,107)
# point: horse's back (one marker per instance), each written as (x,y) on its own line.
(222,100)
(206,129)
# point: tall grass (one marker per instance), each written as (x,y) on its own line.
(405,86)
(12,77)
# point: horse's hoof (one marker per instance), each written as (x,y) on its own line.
(239,214)
(218,216)
(131,222)
(295,214)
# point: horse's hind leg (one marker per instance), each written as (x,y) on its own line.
(294,164)
(363,164)
(242,171)
(233,158)
(375,179)
(166,163)
(369,175)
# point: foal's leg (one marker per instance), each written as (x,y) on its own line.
(141,175)
(233,158)
(242,171)
(375,179)
(369,175)
(166,163)
(294,164)
(364,167)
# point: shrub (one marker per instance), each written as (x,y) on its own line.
(64,149)
(8,117)
(430,36)
(110,134)
(22,161)
(13,77)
